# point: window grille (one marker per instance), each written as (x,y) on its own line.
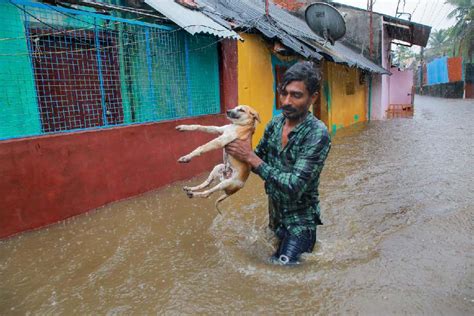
(65,70)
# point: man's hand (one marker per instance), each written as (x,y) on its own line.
(242,150)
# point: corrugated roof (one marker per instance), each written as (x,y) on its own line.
(292,31)
(192,21)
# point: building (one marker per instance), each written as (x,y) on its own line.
(376,44)
(277,39)
(90,98)
(93,91)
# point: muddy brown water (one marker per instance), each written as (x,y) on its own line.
(397,200)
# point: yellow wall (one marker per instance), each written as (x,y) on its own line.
(255,79)
(345,109)
(255,87)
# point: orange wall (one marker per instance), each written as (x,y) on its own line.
(455,69)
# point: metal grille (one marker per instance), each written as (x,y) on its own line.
(65,70)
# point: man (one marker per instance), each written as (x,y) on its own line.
(289,158)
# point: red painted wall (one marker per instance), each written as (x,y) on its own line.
(50,178)
(455,69)
(228,74)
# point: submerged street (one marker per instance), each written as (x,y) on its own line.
(397,206)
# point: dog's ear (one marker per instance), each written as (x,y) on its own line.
(255,115)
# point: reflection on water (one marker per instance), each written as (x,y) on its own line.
(397,199)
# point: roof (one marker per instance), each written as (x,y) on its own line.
(290,30)
(192,21)
(399,29)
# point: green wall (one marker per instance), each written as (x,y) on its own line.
(19,114)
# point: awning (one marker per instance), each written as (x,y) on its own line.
(192,21)
(406,31)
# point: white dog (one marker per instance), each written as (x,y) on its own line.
(233,173)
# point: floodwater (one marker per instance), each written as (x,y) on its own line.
(397,200)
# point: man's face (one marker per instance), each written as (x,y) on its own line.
(296,100)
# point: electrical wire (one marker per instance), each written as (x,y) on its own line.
(416,7)
(424,12)
(432,16)
(440,20)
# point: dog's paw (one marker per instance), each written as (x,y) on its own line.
(190,194)
(184,159)
(186,189)
(181,128)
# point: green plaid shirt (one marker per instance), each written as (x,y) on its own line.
(291,174)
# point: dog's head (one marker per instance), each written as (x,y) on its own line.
(243,115)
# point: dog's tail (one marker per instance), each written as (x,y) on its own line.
(220,199)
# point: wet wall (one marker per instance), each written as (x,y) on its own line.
(50,178)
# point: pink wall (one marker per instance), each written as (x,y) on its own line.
(401,83)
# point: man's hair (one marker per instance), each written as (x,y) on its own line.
(302,71)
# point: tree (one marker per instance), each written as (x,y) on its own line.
(439,42)
(463,10)
(403,56)
(462,32)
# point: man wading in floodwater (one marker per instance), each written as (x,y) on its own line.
(289,158)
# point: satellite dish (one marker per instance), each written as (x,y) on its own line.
(326,21)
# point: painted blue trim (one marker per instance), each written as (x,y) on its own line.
(101,77)
(188,74)
(277,62)
(30,57)
(149,63)
(79,12)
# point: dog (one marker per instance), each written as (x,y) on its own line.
(233,173)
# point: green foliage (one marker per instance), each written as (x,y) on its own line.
(402,56)
(457,40)
(461,34)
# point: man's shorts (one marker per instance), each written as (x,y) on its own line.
(291,247)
